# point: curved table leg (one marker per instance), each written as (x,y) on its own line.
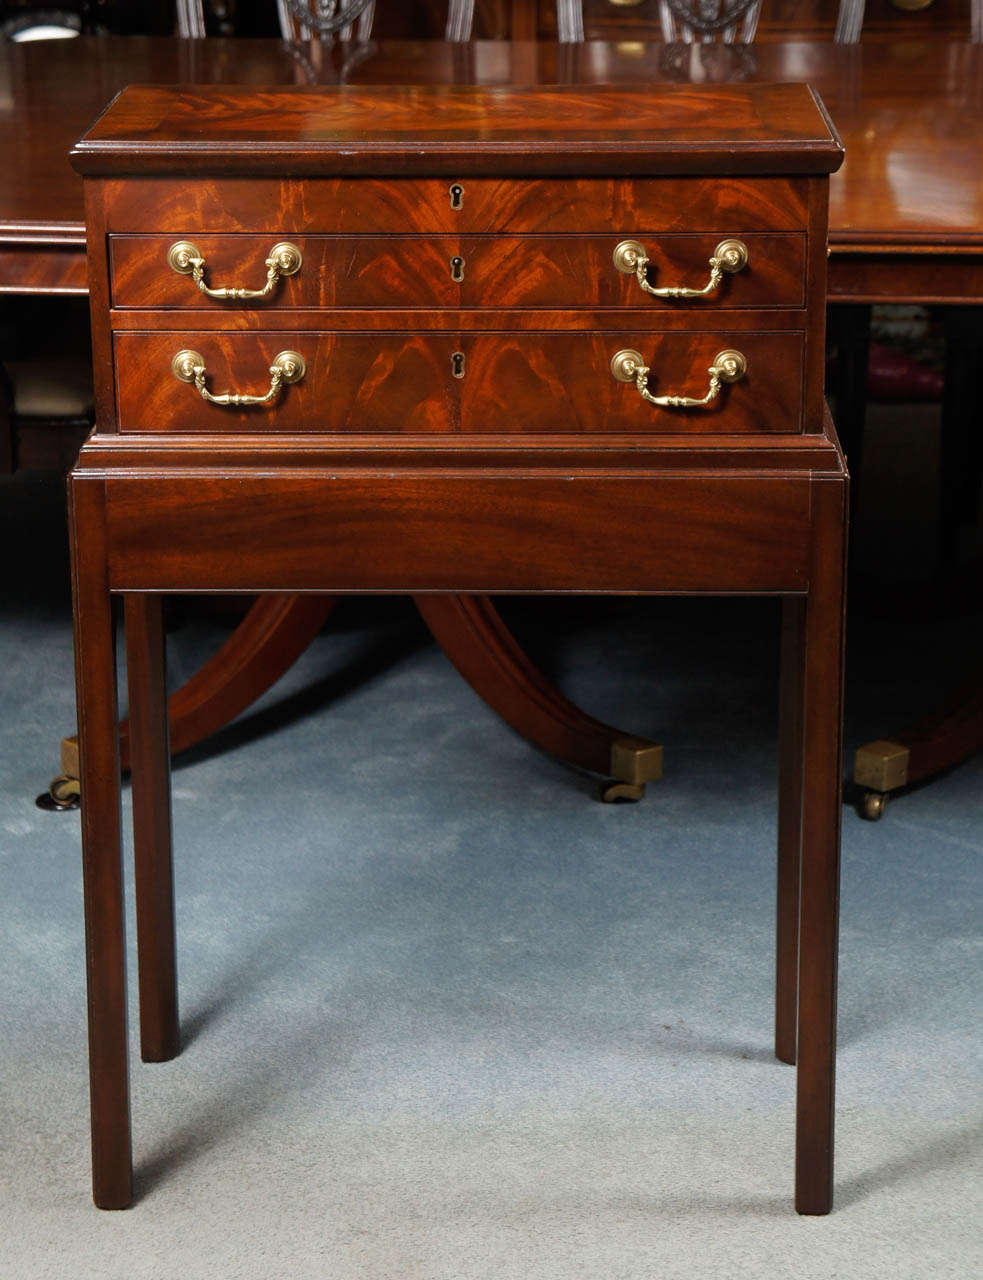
(268,641)
(477,641)
(278,628)
(938,742)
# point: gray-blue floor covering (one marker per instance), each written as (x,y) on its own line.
(446,1016)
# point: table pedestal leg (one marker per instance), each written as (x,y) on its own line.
(942,740)
(471,632)
(278,628)
(265,645)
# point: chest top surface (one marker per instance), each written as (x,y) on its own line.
(392,130)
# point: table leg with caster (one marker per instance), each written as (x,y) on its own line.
(471,632)
(939,742)
(268,641)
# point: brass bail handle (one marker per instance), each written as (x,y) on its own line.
(288,366)
(728,366)
(729,256)
(185,258)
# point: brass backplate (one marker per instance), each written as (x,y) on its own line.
(180,255)
(625,363)
(732,365)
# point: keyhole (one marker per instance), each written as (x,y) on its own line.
(457,269)
(457,196)
(457,364)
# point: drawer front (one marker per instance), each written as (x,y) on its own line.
(408,206)
(334,271)
(580,271)
(353,382)
(562,383)
(521,384)
(458,271)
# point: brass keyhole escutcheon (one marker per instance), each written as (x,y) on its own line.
(457,364)
(457,269)
(456,193)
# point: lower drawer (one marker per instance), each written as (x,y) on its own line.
(480,383)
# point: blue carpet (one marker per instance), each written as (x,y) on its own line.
(446,1016)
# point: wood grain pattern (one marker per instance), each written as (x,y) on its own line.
(41,268)
(822,771)
(419,206)
(368,382)
(790,707)
(562,383)
(498,271)
(149,761)
(396,383)
(578,271)
(628,320)
(391,129)
(457,533)
(102,866)
(814,381)
(383,472)
(353,271)
(909,110)
(925,277)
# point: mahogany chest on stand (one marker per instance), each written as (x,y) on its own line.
(465,341)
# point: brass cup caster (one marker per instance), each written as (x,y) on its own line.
(63,793)
(633,762)
(612,792)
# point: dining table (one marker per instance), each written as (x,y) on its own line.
(905,226)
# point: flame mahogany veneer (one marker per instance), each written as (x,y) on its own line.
(456,434)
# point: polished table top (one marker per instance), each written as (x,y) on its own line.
(909,113)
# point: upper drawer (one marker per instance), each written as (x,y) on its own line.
(405,206)
(333,271)
(609,270)
(460,271)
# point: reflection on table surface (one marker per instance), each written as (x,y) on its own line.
(910,113)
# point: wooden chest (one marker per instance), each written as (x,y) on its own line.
(460,262)
(453,342)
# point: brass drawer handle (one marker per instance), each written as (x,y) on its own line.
(289,366)
(729,256)
(728,366)
(185,258)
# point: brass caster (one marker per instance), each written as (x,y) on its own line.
(633,762)
(612,792)
(875,802)
(63,793)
